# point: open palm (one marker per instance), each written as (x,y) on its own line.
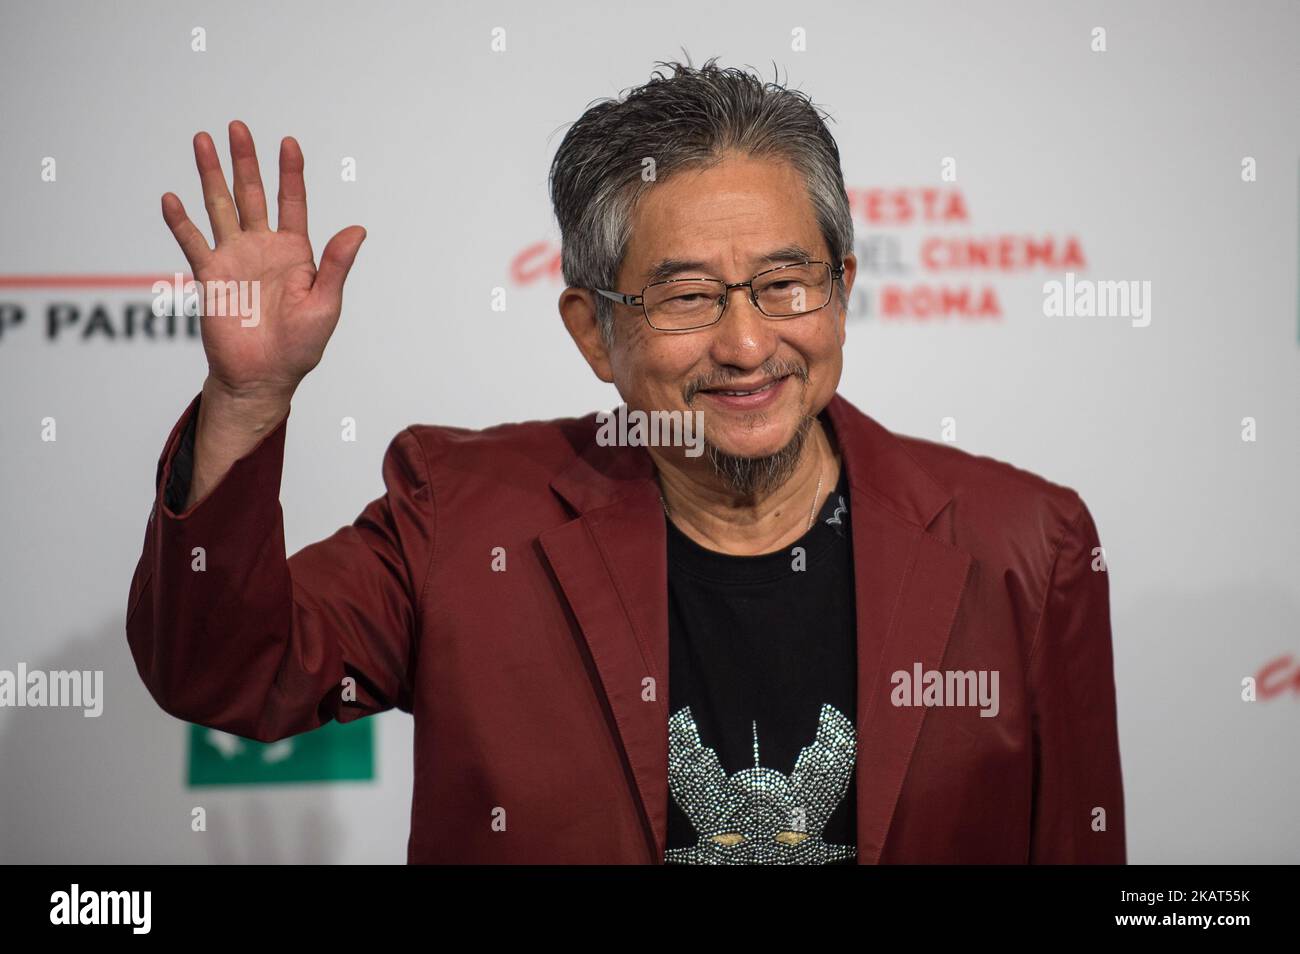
(298,303)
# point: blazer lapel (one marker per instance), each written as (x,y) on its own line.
(611,563)
(908,586)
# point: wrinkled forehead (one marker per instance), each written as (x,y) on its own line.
(727,220)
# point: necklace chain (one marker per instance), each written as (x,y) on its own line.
(812,511)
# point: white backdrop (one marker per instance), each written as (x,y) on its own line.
(1134,153)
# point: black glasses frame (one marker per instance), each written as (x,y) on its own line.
(837,273)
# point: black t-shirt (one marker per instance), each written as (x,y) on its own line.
(763,685)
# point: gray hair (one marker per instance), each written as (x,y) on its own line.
(685,120)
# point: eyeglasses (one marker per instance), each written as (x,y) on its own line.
(687,304)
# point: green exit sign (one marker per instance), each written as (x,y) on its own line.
(336,752)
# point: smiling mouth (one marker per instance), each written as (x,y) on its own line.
(736,392)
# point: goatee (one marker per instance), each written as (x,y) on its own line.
(752,476)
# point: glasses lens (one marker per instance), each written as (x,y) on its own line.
(682,304)
(794,290)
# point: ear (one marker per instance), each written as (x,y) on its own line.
(850,273)
(578,309)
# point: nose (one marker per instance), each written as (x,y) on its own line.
(743,337)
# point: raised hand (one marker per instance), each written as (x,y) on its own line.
(299,304)
(255,365)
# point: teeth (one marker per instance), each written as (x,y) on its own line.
(743,393)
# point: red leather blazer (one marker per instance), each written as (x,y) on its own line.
(540,692)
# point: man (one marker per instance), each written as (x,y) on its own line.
(816,642)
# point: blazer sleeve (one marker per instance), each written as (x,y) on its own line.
(228,633)
(1076,763)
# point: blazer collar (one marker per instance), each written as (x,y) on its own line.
(611,563)
(875,461)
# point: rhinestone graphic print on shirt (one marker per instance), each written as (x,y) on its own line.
(758,815)
(763,690)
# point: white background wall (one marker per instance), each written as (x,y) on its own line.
(1135,151)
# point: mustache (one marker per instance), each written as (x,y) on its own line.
(771,368)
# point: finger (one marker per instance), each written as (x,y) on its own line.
(216,197)
(249,197)
(336,261)
(186,233)
(293,189)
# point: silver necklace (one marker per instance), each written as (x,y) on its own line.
(812,512)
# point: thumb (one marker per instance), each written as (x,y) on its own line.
(336,261)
